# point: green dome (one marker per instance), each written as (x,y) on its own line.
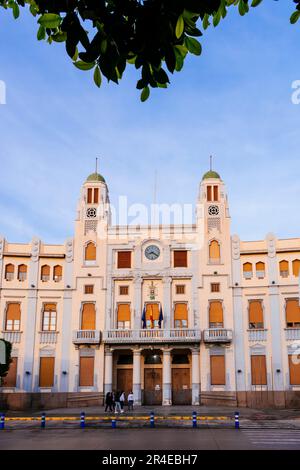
(211,174)
(95,177)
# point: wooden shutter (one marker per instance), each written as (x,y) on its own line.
(49,307)
(96,195)
(10,379)
(88,317)
(9,269)
(154,308)
(45,270)
(46,371)
(86,372)
(256,312)
(292,311)
(214,250)
(57,271)
(124,312)
(23,268)
(294,370)
(89,195)
(247,267)
(215,312)
(124,259)
(209,193)
(217,370)
(181,312)
(13,312)
(296,267)
(216,193)
(90,252)
(284,266)
(180,259)
(258,370)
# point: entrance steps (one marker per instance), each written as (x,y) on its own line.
(218,398)
(76,400)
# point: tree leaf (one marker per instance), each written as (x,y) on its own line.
(41,34)
(16,10)
(145,94)
(295,17)
(97,76)
(179,27)
(194,46)
(50,20)
(84,65)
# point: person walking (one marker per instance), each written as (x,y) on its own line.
(130,401)
(117,402)
(108,401)
(122,401)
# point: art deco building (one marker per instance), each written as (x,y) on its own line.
(180,314)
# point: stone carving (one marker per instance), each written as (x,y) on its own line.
(69,250)
(271,242)
(236,253)
(35,249)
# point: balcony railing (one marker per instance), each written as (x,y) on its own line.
(48,337)
(176,335)
(86,337)
(217,335)
(12,336)
(292,333)
(257,335)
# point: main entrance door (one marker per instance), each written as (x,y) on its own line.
(153,387)
(124,380)
(181,391)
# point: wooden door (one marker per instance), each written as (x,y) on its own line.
(124,381)
(153,386)
(181,388)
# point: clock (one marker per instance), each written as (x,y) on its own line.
(91,212)
(213,210)
(152,252)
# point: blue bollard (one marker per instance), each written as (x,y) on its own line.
(194,419)
(2,421)
(113,423)
(237,420)
(82,420)
(152,419)
(43,421)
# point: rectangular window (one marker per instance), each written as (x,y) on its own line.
(217,370)
(124,290)
(215,287)
(49,317)
(96,195)
(46,372)
(216,193)
(256,314)
(215,314)
(90,195)
(13,317)
(180,259)
(10,380)
(180,289)
(258,370)
(124,259)
(292,313)
(181,315)
(88,317)
(86,372)
(124,316)
(294,367)
(89,289)
(209,194)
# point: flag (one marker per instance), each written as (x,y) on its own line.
(151,317)
(144,318)
(161,317)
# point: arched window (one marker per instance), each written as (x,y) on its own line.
(90,252)
(57,273)
(45,273)
(9,272)
(248,270)
(216,314)
(296,267)
(214,252)
(284,268)
(22,272)
(260,270)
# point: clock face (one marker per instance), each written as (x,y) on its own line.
(91,212)
(152,252)
(213,210)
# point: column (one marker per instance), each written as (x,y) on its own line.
(137,377)
(108,370)
(167,309)
(195,377)
(167,381)
(137,323)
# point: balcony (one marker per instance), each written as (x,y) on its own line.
(257,335)
(176,335)
(86,337)
(292,334)
(217,335)
(12,336)
(48,337)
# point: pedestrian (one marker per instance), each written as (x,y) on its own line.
(130,401)
(122,401)
(113,395)
(117,402)
(108,401)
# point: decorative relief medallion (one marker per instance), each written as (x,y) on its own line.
(213,210)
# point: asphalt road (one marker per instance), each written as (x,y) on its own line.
(149,439)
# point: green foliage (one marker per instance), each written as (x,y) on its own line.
(154,36)
(4,367)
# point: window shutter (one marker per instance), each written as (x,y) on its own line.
(215,312)
(10,269)
(256,312)
(209,193)
(90,252)
(49,307)
(89,195)
(258,370)
(296,267)
(181,312)
(284,266)
(46,371)
(45,270)
(13,312)
(57,271)
(260,266)
(11,378)
(96,196)
(247,267)
(217,370)
(214,250)
(216,193)
(294,369)
(292,311)
(123,312)
(180,259)
(88,318)
(124,259)
(154,309)
(86,373)
(23,268)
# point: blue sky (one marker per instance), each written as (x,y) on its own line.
(233,102)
